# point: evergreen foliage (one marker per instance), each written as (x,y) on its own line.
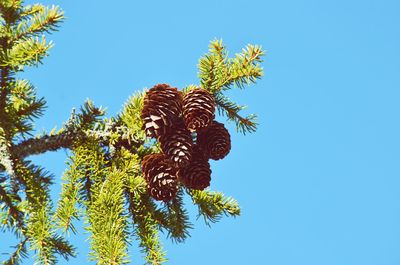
(103,183)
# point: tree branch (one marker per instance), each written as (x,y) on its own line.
(46,143)
(66,139)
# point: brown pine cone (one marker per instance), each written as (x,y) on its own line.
(215,141)
(177,145)
(162,108)
(198,109)
(197,175)
(160,176)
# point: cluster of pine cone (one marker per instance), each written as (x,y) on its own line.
(188,135)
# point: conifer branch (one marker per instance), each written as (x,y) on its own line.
(178,219)
(23,102)
(213,67)
(73,131)
(213,205)
(33,110)
(231,110)
(14,214)
(107,219)
(91,168)
(100,190)
(144,223)
(39,227)
(28,52)
(62,247)
(39,20)
(21,252)
(30,10)
(218,73)
(244,68)
(146,230)
(67,210)
(46,143)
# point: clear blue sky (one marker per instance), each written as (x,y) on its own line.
(319,183)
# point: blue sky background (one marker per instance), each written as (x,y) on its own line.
(319,181)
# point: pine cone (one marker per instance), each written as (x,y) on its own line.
(162,108)
(177,145)
(215,141)
(197,175)
(160,176)
(198,109)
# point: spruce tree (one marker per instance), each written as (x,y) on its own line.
(116,172)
